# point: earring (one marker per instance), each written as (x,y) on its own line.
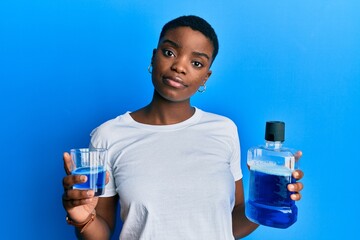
(150,68)
(202,88)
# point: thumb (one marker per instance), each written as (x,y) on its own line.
(67,163)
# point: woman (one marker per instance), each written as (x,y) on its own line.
(174,168)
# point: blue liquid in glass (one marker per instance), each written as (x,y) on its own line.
(269,200)
(95,179)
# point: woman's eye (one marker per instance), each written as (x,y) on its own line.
(168,53)
(197,64)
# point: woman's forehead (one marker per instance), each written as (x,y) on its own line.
(187,37)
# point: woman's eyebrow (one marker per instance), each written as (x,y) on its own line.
(171,43)
(200,54)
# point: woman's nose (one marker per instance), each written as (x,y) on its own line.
(179,66)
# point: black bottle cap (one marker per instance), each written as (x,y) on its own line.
(275,131)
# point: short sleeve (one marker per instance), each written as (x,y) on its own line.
(98,141)
(235,160)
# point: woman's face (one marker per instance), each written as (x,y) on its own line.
(181,63)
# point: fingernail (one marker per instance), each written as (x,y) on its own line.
(89,193)
(291,187)
(83,178)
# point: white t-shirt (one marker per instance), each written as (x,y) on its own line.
(174,181)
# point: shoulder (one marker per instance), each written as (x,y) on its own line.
(218,124)
(110,126)
(209,117)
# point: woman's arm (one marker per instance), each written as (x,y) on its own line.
(104,224)
(241,225)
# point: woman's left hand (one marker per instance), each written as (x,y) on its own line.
(297,186)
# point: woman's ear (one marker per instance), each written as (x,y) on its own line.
(207,76)
(153,55)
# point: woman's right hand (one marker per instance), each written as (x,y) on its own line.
(78,204)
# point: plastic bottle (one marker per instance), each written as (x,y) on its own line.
(271,166)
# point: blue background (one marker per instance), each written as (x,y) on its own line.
(66,66)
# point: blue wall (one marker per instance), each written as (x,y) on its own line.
(68,65)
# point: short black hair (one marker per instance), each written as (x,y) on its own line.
(195,23)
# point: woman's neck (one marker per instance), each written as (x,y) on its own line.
(163,112)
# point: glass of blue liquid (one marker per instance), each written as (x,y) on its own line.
(90,162)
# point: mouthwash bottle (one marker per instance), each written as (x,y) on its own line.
(271,166)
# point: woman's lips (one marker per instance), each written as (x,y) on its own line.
(174,82)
